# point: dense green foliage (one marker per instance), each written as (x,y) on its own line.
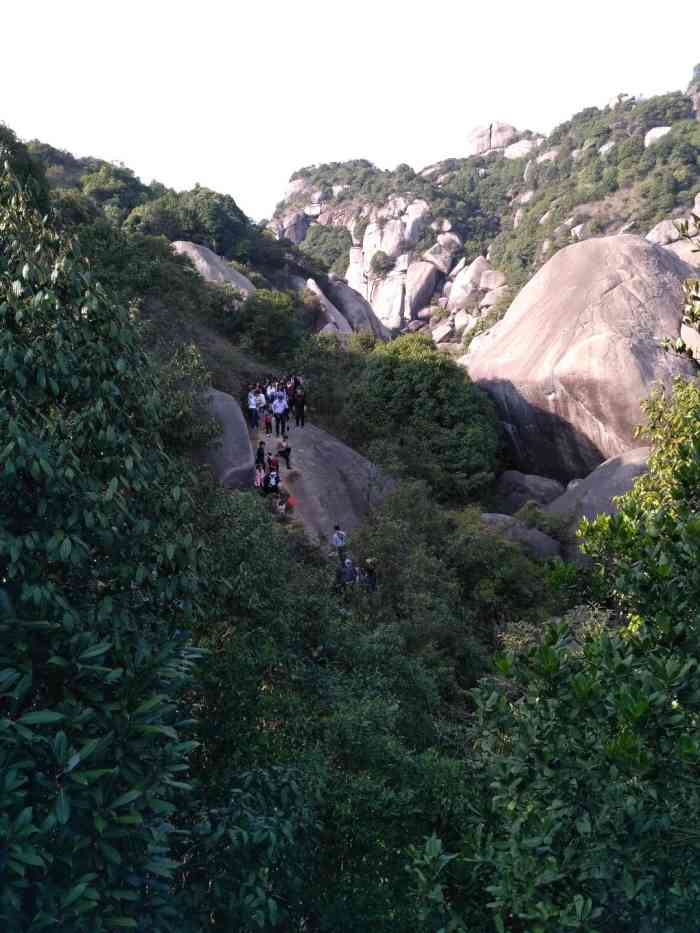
(381,263)
(328,246)
(335,762)
(100,572)
(591,754)
(25,169)
(273,324)
(407,406)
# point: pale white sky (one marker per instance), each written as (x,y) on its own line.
(237,95)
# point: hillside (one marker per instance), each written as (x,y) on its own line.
(476,713)
(515,197)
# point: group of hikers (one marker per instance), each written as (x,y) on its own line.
(347,572)
(277,399)
(270,401)
(274,401)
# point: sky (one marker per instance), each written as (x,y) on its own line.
(237,95)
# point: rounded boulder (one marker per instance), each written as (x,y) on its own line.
(579,349)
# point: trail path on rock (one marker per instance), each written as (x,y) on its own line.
(331,483)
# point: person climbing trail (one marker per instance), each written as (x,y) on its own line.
(279,410)
(253,407)
(299,407)
(338,541)
(285,451)
(369,574)
(268,421)
(259,476)
(260,455)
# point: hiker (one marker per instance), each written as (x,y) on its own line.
(261,402)
(270,391)
(259,476)
(273,478)
(299,407)
(273,464)
(281,507)
(338,541)
(253,407)
(267,421)
(369,575)
(284,451)
(279,410)
(260,455)
(345,575)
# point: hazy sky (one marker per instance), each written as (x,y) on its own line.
(237,95)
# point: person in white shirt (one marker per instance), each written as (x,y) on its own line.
(338,541)
(279,410)
(253,408)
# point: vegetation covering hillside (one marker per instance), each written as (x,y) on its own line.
(198,733)
(597,171)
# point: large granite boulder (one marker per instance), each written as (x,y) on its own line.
(655,134)
(483,139)
(294,226)
(416,219)
(467,283)
(332,484)
(388,299)
(212,267)
(514,489)
(421,281)
(443,252)
(666,233)
(586,498)
(230,454)
(578,350)
(334,319)
(594,495)
(520,149)
(356,310)
(536,542)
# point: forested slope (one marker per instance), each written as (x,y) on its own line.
(197,732)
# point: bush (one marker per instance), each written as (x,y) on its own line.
(273,324)
(199,215)
(381,263)
(328,245)
(602,723)
(416,411)
(99,573)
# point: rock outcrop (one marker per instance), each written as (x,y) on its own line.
(655,134)
(229,455)
(356,310)
(666,234)
(536,542)
(594,495)
(578,350)
(484,139)
(331,482)
(388,297)
(334,319)
(212,267)
(421,281)
(514,489)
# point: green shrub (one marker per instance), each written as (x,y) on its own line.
(273,324)
(99,567)
(381,263)
(414,409)
(328,245)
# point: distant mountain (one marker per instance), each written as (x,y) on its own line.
(515,198)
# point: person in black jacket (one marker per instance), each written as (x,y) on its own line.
(299,407)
